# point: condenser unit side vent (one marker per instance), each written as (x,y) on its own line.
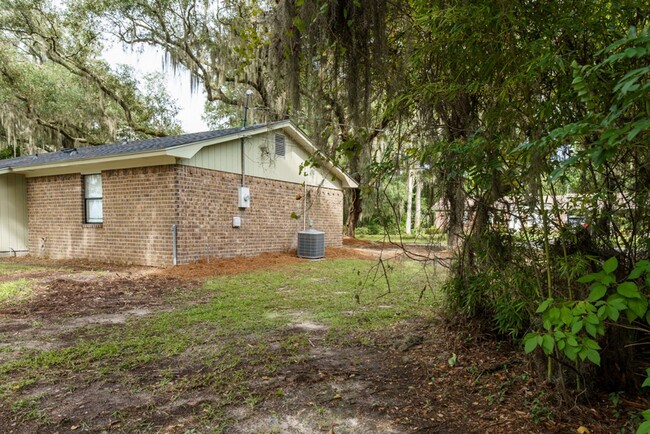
(311,244)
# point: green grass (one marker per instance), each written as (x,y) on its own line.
(14,291)
(407,239)
(324,291)
(9,268)
(229,335)
(259,302)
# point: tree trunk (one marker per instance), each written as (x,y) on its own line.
(354,212)
(418,202)
(455,198)
(409,201)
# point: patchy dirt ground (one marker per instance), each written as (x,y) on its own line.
(432,376)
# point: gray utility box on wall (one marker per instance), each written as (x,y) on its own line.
(311,244)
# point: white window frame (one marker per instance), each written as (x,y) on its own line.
(87,199)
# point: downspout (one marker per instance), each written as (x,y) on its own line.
(174,245)
(304,208)
(243,171)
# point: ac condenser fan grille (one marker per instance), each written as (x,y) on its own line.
(311,244)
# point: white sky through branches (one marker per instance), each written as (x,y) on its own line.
(147,60)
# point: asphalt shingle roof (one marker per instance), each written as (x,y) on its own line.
(122,148)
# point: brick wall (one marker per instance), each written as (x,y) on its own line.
(140,206)
(208,202)
(138,214)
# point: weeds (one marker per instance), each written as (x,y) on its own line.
(27,409)
(13,292)
(539,412)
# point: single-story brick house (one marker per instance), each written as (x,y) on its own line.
(174,199)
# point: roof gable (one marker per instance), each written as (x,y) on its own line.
(182,146)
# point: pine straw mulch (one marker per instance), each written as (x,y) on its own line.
(245,264)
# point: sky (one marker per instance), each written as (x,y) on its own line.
(150,60)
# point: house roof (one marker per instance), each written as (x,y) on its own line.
(122,148)
(183,145)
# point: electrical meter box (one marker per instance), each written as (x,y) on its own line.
(244,197)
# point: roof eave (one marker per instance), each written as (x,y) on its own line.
(85,161)
(346,180)
(187,150)
(191,149)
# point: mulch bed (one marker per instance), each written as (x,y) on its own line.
(244,264)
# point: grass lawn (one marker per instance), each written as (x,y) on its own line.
(11,268)
(227,344)
(407,239)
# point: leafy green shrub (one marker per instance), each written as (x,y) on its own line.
(375,228)
(501,297)
(361,231)
(433,230)
(572,328)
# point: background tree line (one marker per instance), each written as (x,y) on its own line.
(515,114)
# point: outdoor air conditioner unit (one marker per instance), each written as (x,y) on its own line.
(311,244)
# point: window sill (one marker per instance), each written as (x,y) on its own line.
(92,225)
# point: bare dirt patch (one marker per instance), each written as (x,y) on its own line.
(68,296)
(74,294)
(388,387)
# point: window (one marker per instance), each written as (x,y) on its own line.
(93,199)
(280,148)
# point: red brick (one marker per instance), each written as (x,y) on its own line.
(141,205)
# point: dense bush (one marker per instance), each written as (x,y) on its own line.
(579,289)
